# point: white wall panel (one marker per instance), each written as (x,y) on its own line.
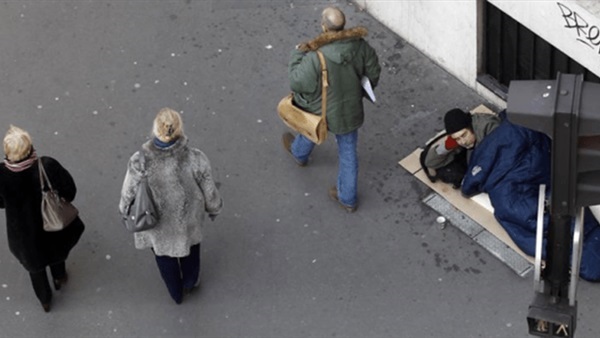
(446,30)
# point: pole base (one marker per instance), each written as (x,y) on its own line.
(548,318)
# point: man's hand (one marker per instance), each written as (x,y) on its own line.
(450,143)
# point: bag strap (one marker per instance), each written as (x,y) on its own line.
(324,84)
(43,176)
(143,162)
(424,153)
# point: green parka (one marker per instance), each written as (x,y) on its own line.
(349,57)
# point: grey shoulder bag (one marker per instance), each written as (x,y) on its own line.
(57,213)
(141,213)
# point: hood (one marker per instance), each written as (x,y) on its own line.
(337,46)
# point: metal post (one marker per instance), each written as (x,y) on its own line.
(564,182)
(554,309)
(576,259)
(538,284)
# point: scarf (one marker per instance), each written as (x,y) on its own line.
(23,164)
(160,144)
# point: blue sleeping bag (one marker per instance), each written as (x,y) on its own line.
(509,165)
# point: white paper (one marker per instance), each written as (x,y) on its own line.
(483,199)
(366,84)
(595,209)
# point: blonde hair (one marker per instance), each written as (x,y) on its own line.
(168,125)
(17,144)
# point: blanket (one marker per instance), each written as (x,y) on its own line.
(509,165)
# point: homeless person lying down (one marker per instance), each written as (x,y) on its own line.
(509,162)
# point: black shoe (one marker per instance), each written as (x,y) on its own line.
(46,307)
(334,196)
(188,291)
(60,281)
(287,139)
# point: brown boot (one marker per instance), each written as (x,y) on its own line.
(334,196)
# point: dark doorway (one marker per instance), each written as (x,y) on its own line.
(513,52)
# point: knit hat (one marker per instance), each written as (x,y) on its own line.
(456,120)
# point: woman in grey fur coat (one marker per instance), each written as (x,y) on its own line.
(184,192)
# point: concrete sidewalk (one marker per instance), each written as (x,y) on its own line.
(86,79)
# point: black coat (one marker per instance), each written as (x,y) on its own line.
(21,196)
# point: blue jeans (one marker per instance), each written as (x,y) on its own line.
(347,180)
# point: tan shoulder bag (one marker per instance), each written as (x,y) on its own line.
(314,127)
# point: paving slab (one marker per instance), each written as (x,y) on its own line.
(86,79)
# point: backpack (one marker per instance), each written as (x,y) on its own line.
(451,173)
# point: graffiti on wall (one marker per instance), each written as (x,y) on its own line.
(587,34)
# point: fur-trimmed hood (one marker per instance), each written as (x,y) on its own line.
(329,37)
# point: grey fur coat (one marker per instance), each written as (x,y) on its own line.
(183,190)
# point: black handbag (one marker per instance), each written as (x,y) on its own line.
(452,173)
(141,213)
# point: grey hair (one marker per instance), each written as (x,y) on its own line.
(333,19)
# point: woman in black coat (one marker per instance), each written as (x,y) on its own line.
(21,197)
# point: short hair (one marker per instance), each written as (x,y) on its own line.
(17,144)
(333,19)
(168,125)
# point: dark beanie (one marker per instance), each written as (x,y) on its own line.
(456,120)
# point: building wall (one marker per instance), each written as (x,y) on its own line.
(570,26)
(449,32)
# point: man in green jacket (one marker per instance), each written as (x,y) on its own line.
(349,58)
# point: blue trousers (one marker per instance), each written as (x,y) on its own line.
(347,180)
(180,272)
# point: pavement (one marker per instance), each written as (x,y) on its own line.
(86,79)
